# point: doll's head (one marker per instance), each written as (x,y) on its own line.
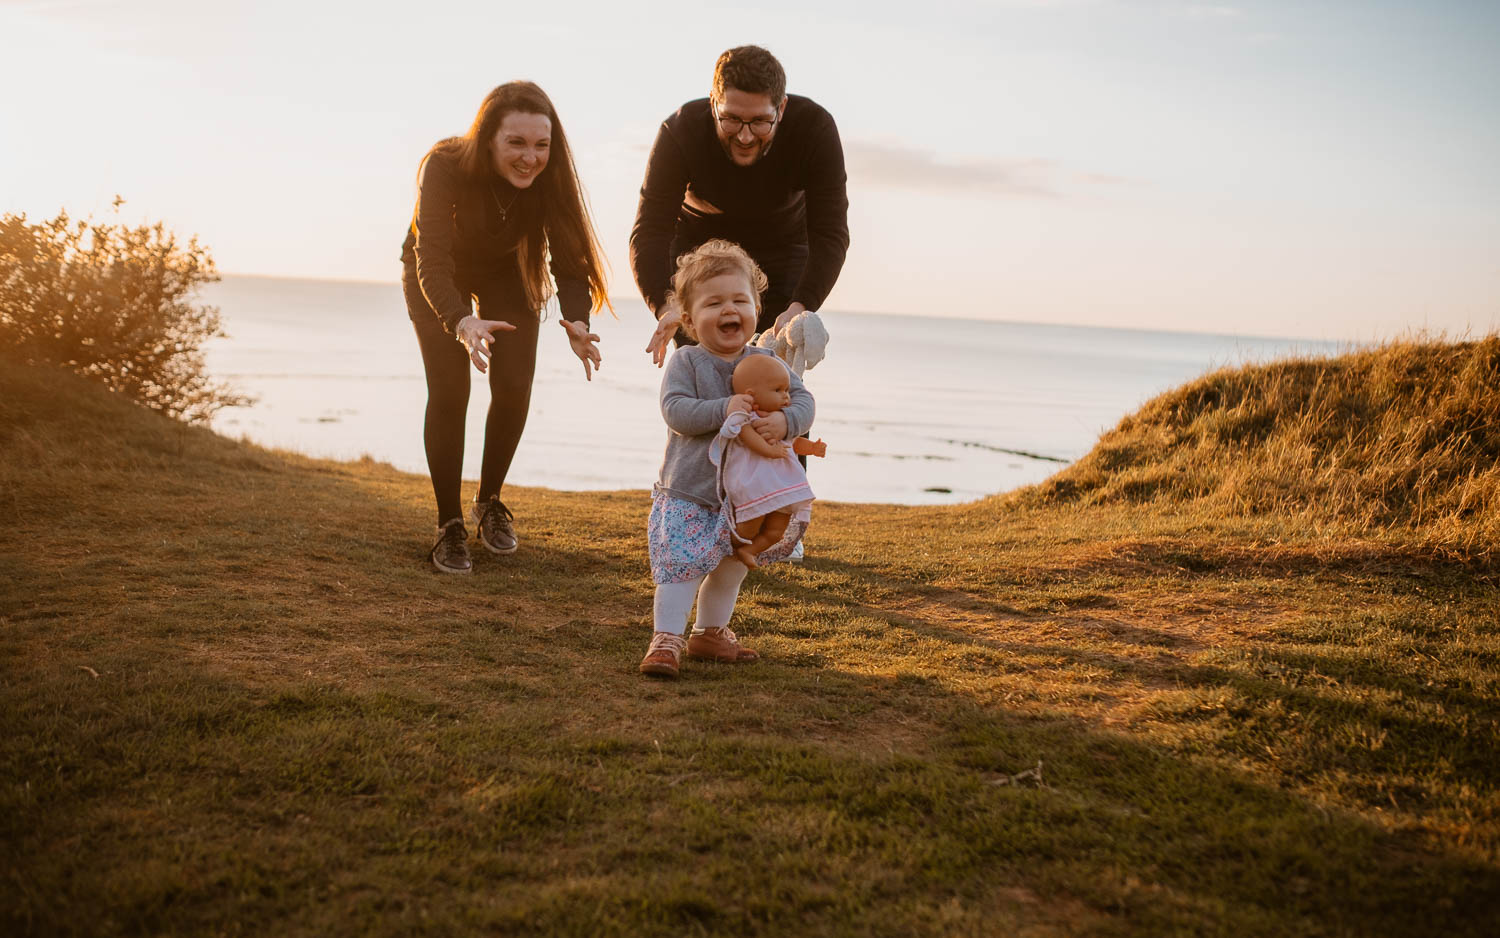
(718,288)
(766,379)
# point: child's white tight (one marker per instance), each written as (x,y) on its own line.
(715,592)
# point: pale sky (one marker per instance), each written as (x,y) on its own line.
(1310,169)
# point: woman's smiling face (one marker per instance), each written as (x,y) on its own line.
(723,314)
(521,146)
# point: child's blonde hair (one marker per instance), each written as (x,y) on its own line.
(708,260)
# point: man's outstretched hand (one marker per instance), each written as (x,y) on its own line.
(666,327)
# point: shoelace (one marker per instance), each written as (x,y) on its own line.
(495,507)
(725,632)
(453,535)
(666,640)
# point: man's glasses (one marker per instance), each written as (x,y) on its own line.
(760,126)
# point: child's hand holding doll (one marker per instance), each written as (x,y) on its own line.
(740,404)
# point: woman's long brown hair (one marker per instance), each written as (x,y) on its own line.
(566,232)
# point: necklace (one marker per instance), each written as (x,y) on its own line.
(504,209)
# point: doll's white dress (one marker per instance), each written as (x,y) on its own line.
(754,485)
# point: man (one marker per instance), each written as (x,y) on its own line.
(753,165)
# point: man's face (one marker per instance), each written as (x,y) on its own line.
(751,124)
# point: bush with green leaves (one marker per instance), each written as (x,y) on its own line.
(114,303)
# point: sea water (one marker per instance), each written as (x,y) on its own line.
(914,409)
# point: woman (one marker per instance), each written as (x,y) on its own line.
(493,206)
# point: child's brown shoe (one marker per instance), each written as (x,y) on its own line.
(664,655)
(719,645)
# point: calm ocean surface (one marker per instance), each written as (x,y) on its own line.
(914,410)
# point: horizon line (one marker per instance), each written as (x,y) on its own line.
(1411,334)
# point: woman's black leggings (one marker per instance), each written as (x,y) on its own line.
(512,365)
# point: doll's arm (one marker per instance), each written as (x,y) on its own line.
(806,447)
(758,445)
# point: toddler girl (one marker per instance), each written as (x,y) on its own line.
(717,287)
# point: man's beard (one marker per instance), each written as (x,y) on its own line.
(760,152)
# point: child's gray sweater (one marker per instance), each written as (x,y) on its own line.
(694,392)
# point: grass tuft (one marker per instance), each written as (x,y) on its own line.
(1402,439)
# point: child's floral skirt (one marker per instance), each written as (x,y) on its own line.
(688,540)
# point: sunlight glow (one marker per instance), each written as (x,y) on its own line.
(1259,168)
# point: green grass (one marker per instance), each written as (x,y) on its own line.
(235,700)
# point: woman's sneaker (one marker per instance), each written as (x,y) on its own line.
(451,552)
(493,521)
(664,655)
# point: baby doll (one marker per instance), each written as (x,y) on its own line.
(763,483)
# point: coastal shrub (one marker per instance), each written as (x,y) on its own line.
(113,303)
(1404,436)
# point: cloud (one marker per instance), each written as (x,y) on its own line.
(902,168)
(897,167)
(1107,179)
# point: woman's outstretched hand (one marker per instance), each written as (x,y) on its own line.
(475,334)
(666,327)
(583,341)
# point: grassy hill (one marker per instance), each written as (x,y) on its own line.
(1403,440)
(235,700)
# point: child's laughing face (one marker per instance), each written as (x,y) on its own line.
(724,314)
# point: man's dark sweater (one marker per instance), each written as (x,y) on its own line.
(791,201)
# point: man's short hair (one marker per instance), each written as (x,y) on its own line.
(752,70)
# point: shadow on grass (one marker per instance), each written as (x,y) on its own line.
(288,810)
(1335,686)
(1367,560)
(449,755)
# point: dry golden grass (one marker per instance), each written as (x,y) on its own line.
(236,700)
(1403,439)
